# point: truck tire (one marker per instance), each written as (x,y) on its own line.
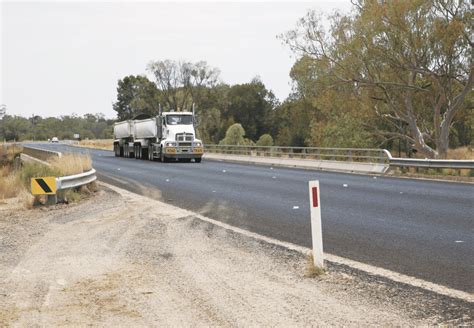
(138,151)
(163,159)
(150,153)
(121,151)
(198,160)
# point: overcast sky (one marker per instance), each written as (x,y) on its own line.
(60,58)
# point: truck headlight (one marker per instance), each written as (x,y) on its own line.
(197,144)
(171,144)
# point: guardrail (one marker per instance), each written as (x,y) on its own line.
(64,182)
(336,155)
(430,163)
(367,155)
(77,180)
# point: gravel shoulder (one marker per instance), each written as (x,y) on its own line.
(122,259)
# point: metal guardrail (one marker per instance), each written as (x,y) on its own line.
(77,180)
(430,163)
(378,156)
(64,182)
(367,155)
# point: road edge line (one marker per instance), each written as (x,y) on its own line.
(367,268)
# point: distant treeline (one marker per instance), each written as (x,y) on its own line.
(89,126)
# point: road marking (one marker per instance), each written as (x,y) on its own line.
(392,275)
(224,171)
(274,177)
(459,241)
(345,185)
(296,207)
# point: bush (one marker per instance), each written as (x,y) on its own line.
(265,140)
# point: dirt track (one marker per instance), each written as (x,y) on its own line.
(147,263)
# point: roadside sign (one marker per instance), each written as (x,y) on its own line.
(76,135)
(316,230)
(43,186)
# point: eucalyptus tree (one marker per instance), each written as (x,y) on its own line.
(410,60)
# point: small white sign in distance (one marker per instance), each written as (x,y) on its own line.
(316,229)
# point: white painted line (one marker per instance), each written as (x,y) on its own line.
(296,207)
(459,241)
(392,275)
(167,180)
(213,191)
(118,169)
(224,171)
(345,185)
(274,177)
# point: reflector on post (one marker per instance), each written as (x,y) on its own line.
(316,230)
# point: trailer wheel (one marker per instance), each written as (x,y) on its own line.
(138,151)
(150,153)
(197,160)
(125,151)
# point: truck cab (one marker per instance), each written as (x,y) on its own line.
(178,136)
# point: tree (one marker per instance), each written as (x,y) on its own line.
(181,83)
(411,60)
(265,140)
(136,95)
(251,104)
(234,136)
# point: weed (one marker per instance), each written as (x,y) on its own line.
(312,271)
(70,164)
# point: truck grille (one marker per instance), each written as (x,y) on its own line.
(184,137)
(185,144)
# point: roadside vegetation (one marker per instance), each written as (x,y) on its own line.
(15,177)
(391,74)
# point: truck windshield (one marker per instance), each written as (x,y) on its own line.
(179,119)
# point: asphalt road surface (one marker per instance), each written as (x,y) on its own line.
(420,228)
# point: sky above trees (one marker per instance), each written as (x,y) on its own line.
(63,58)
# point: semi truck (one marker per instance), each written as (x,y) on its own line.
(168,136)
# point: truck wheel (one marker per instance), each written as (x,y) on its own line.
(121,151)
(150,153)
(138,151)
(162,157)
(197,160)
(116,150)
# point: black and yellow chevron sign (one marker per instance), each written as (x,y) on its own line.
(43,186)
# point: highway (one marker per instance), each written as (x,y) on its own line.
(419,228)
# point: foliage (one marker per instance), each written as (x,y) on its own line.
(234,136)
(136,95)
(92,126)
(265,140)
(409,61)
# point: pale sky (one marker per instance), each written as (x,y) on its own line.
(60,58)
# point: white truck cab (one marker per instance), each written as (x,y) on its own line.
(170,135)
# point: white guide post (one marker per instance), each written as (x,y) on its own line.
(316,230)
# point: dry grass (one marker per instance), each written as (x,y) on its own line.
(105,144)
(70,164)
(461,153)
(8,152)
(312,271)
